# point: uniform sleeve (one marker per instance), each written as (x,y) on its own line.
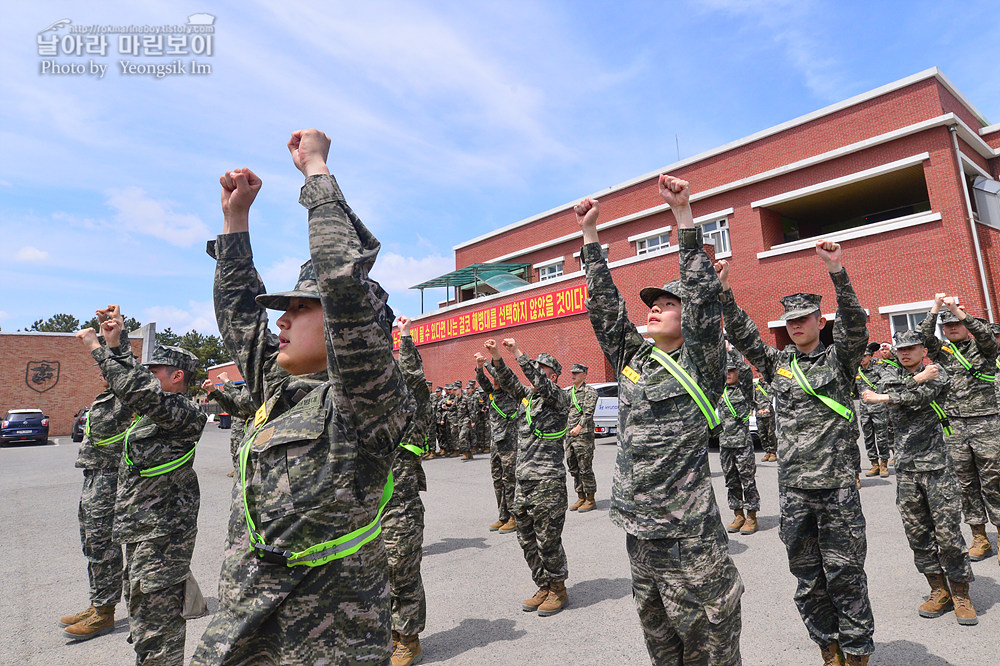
(616,334)
(508,381)
(371,393)
(544,386)
(413,369)
(746,383)
(745,337)
(589,405)
(928,329)
(140,390)
(985,340)
(701,315)
(912,394)
(484,381)
(850,330)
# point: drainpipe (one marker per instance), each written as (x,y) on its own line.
(972,224)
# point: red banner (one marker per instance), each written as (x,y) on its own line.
(559,303)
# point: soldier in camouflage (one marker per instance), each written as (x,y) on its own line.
(156,508)
(236,400)
(736,445)
(403,522)
(307,581)
(453,409)
(540,495)
(873,418)
(685,586)
(466,423)
(926,489)
(503,444)
(969,355)
(481,405)
(580,439)
(822,525)
(995,330)
(99,458)
(765,419)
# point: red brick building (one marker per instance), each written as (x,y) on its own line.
(904,177)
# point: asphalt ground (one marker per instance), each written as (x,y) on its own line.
(476,579)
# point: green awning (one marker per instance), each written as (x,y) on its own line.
(488,273)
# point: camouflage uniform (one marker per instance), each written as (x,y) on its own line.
(685,586)
(540,494)
(99,459)
(445,414)
(736,445)
(926,489)
(236,400)
(433,401)
(580,448)
(503,444)
(481,405)
(873,419)
(156,514)
(765,424)
(971,405)
(321,452)
(822,525)
(466,431)
(403,522)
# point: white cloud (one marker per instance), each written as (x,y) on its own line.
(396,273)
(199,316)
(281,276)
(31,254)
(4,316)
(138,212)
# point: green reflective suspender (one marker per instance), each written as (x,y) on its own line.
(945,425)
(414,449)
(892,363)
(759,388)
(538,433)
(159,469)
(572,394)
(493,404)
(689,384)
(982,376)
(861,373)
(107,440)
(321,553)
(800,377)
(732,410)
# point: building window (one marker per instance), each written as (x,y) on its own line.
(549,272)
(910,321)
(652,244)
(718,231)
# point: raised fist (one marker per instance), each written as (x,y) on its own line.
(927,374)
(828,251)
(675,192)
(722,269)
(509,344)
(88,337)
(939,299)
(208,386)
(491,347)
(110,312)
(480,360)
(224,377)
(309,148)
(587,212)
(112,331)
(239,189)
(403,324)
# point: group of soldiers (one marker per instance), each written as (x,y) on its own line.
(323,552)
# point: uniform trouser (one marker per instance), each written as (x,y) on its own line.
(765,430)
(824,535)
(444,436)
(875,428)
(466,438)
(687,593)
(157,571)
(502,465)
(540,512)
(740,470)
(403,530)
(974,451)
(580,460)
(97,517)
(455,442)
(235,439)
(932,519)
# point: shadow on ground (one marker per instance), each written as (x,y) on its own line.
(905,652)
(448,544)
(594,591)
(471,633)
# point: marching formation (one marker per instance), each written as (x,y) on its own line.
(323,553)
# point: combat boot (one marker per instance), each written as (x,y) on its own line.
(588,504)
(555,601)
(980,547)
(939,602)
(856,659)
(407,650)
(750,526)
(532,604)
(467,456)
(70,620)
(509,526)
(964,611)
(737,523)
(874,470)
(832,656)
(576,505)
(883,468)
(395,639)
(497,525)
(101,622)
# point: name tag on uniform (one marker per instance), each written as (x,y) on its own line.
(631,375)
(524,401)
(785,373)
(260,416)
(948,349)
(491,396)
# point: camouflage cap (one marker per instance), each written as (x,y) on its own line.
(174,356)
(872,348)
(549,360)
(428,382)
(800,305)
(995,329)
(946,317)
(650,294)
(579,367)
(907,339)
(306,287)
(733,359)
(472,382)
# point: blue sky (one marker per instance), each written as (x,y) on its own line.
(448,120)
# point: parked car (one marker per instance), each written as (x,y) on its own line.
(24,425)
(606,413)
(80,424)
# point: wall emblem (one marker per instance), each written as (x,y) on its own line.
(41,375)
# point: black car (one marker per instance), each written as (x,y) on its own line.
(80,424)
(24,425)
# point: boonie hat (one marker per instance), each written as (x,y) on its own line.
(650,294)
(305,287)
(178,357)
(947,317)
(800,305)
(579,367)
(549,360)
